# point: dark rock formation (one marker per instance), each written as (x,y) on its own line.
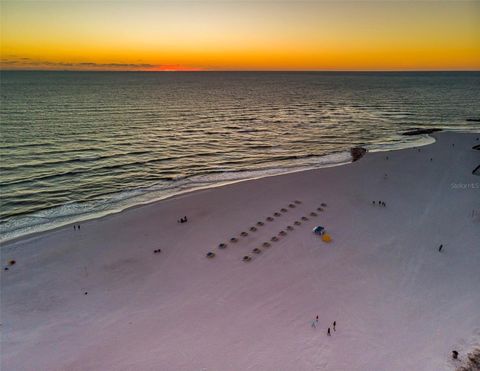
(357,153)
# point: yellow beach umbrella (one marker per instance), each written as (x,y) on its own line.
(326,237)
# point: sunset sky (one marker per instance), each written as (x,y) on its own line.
(240,35)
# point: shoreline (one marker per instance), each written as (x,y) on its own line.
(420,142)
(166,198)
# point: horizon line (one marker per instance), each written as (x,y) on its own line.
(233,70)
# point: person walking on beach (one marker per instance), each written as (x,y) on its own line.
(334,325)
(440,248)
(79,227)
(316,319)
(328,332)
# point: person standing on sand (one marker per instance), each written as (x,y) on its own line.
(334,325)
(74,227)
(328,332)
(316,319)
(440,248)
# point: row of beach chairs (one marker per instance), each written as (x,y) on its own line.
(273,239)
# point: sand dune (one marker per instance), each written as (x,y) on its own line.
(101,299)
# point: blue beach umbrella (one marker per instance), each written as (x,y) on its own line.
(319,230)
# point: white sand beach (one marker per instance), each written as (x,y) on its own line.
(99,298)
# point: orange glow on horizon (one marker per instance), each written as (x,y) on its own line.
(238,35)
(174,68)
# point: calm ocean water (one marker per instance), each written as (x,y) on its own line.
(75,145)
